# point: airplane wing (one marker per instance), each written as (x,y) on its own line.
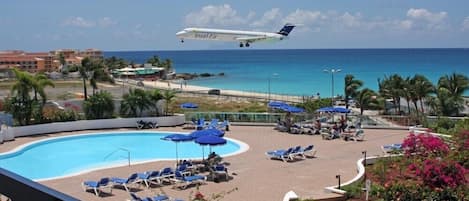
(252,39)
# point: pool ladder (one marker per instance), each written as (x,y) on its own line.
(120,149)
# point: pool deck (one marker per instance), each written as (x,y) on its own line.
(254,175)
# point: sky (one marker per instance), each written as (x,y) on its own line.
(119,25)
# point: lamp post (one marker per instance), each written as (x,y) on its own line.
(270,77)
(332,71)
(338,177)
(364,164)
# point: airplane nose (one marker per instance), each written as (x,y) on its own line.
(180,33)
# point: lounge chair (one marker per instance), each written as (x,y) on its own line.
(220,169)
(183,182)
(146,124)
(283,155)
(166,174)
(213,124)
(148,178)
(391,148)
(224,125)
(125,182)
(296,152)
(134,197)
(97,186)
(200,124)
(308,151)
(183,169)
(359,135)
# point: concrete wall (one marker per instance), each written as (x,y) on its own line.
(91,124)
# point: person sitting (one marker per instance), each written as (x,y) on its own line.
(317,127)
(335,131)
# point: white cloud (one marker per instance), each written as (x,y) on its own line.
(85,23)
(465,24)
(269,17)
(79,22)
(106,22)
(350,20)
(213,15)
(304,17)
(423,19)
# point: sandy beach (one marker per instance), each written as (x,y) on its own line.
(193,88)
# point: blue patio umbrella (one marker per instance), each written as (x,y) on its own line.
(200,133)
(178,138)
(277,104)
(189,106)
(341,110)
(325,109)
(292,109)
(210,140)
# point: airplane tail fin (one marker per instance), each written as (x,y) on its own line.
(286,29)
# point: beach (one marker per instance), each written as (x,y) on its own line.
(169,85)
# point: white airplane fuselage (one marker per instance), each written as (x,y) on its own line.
(228,35)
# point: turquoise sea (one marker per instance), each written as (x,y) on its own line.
(300,71)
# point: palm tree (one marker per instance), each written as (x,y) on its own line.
(99,106)
(449,92)
(134,103)
(155,96)
(92,70)
(21,104)
(168,96)
(422,89)
(351,87)
(40,81)
(408,92)
(391,87)
(366,98)
(154,61)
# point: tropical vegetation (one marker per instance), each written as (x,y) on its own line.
(99,106)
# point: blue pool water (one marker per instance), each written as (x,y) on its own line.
(70,155)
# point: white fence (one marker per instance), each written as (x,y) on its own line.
(19,131)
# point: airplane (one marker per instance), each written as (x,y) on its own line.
(245,38)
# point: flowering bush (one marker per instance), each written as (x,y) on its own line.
(432,170)
(424,145)
(437,174)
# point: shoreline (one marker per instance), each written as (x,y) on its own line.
(224,92)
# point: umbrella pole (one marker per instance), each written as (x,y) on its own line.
(203,153)
(177,161)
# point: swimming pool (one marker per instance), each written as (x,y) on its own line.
(71,155)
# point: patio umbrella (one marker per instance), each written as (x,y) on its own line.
(177,138)
(341,110)
(325,109)
(189,106)
(210,140)
(292,109)
(211,131)
(277,104)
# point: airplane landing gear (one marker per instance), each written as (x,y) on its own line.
(182,40)
(247,44)
(241,45)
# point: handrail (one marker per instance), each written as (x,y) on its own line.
(119,149)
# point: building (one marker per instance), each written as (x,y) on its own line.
(45,61)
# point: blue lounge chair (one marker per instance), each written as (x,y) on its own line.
(134,197)
(213,124)
(310,150)
(183,182)
(166,174)
(220,169)
(200,124)
(125,182)
(283,155)
(149,178)
(390,148)
(97,186)
(183,169)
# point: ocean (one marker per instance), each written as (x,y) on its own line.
(301,71)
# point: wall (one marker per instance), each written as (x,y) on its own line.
(20,131)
